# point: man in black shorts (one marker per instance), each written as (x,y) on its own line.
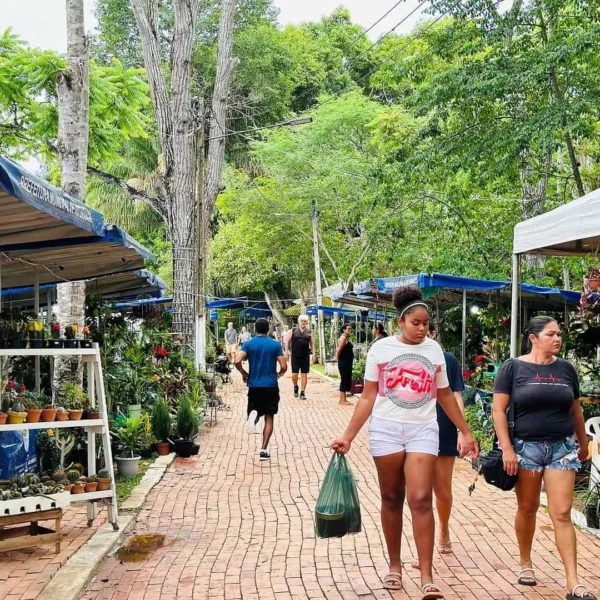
(263,355)
(302,346)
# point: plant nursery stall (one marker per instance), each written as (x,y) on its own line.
(47,237)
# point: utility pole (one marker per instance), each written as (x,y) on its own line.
(321,325)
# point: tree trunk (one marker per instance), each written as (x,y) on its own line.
(73,88)
(274,303)
(71,311)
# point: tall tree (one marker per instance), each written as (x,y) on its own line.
(73,88)
(184,181)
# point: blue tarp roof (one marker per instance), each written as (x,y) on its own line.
(226,303)
(32,209)
(369,292)
(256,311)
(143,302)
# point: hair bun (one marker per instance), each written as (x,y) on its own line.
(406,295)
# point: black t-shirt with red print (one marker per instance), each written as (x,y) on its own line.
(543,398)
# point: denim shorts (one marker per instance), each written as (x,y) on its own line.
(388,437)
(537,456)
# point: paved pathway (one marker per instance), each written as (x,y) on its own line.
(241,529)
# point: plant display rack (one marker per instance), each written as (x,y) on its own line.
(32,508)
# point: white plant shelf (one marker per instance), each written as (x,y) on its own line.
(33,504)
(52,425)
(86,497)
(49,352)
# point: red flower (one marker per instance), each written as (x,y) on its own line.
(160,352)
(22,389)
(467,374)
(11,385)
(480,359)
(56,327)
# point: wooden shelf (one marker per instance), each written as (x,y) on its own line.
(52,425)
(49,352)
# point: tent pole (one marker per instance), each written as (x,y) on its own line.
(464,330)
(514,323)
(36,310)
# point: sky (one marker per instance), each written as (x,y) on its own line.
(42,22)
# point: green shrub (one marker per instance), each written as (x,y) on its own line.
(161,421)
(187,420)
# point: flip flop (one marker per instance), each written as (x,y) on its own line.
(585,594)
(445,548)
(431,591)
(392,581)
(528,580)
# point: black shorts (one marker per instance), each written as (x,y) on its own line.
(300,363)
(265,401)
(448,435)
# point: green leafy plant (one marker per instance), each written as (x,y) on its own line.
(130,435)
(358,369)
(72,397)
(187,420)
(161,421)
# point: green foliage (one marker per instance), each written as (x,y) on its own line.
(481,426)
(187,420)
(71,396)
(161,421)
(130,435)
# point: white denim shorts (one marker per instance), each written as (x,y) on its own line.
(389,437)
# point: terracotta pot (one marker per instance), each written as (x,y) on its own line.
(92,415)
(209,388)
(75,415)
(163,448)
(104,484)
(16,418)
(91,487)
(3,417)
(62,416)
(48,415)
(78,488)
(68,488)
(33,414)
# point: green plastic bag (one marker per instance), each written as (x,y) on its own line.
(338,510)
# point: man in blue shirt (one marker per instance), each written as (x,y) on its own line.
(263,355)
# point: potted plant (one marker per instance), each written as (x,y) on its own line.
(91,412)
(187,428)
(73,477)
(3,417)
(17,328)
(48,413)
(86,342)
(55,341)
(593,279)
(62,414)
(34,405)
(74,399)
(104,480)
(70,333)
(358,376)
(17,414)
(161,426)
(91,484)
(35,330)
(130,436)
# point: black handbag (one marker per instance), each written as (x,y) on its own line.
(492,465)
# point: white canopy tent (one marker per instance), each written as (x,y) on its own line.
(572,229)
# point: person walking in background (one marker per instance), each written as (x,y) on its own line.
(263,354)
(302,346)
(379,332)
(448,451)
(231,341)
(245,336)
(345,357)
(548,417)
(405,377)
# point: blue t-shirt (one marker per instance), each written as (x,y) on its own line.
(262,354)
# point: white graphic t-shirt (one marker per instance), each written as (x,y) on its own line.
(409,376)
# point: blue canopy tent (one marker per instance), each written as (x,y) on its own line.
(448,290)
(32,210)
(226,303)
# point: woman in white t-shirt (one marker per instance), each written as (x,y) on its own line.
(404,378)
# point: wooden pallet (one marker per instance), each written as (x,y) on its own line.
(32,534)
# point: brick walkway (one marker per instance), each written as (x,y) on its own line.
(241,529)
(24,573)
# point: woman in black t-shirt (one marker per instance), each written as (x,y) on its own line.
(545,391)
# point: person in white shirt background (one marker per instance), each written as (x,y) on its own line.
(405,376)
